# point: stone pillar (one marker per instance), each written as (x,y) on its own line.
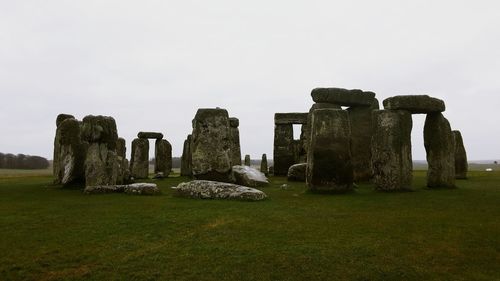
(101,163)
(329,163)
(307,129)
(235,141)
(163,158)
(263,165)
(55,162)
(284,148)
(391,150)
(461,165)
(440,147)
(360,118)
(139,159)
(248,162)
(123,171)
(186,165)
(69,152)
(211,146)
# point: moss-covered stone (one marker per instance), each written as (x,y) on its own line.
(100,129)
(248,161)
(101,165)
(284,149)
(461,164)
(139,161)
(150,135)
(235,141)
(342,97)
(329,162)
(440,147)
(186,163)
(391,150)
(290,118)
(163,157)
(61,117)
(415,104)
(263,165)
(297,172)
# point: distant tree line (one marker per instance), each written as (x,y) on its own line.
(21,161)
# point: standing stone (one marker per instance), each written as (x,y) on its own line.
(440,147)
(263,165)
(2,160)
(55,162)
(123,173)
(461,165)
(101,167)
(186,164)
(69,153)
(248,162)
(211,146)
(163,158)
(139,160)
(307,129)
(360,118)
(391,150)
(235,141)
(284,149)
(329,163)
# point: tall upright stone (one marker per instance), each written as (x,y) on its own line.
(263,165)
(101,163)
(440,147)
(461,164)
(163,158)
(139,159)
(211,146)
(391,150)
(55,162)
(248,161)
(69,153)
(307,130)
(360,118)
(329,163)
(186,163)
(123,169)
(234,123)
(284,148)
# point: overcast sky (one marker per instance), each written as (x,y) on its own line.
(152,64)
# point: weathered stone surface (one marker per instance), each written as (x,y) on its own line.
(461,164)
(248,176)
(360,118)
(271,170)
(284,149)
(69,153)
(101,165)
(134,189)
(263,165)
(100,129)
(439,144)
(415,104)
(123,172)
(329,163)
(297,172)
(211,146)
(150,135)
(139,162)
(61,117)
(342,97)
(307,128)
(142,189)
(235,141)
(248,161)
(290,118)
(391,150)
(163,157)
(234,122)
(186,164)
(204,189)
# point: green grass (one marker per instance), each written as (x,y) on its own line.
(49,233)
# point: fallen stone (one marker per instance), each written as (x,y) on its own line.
(439,144)
(461,164)
(248,176)
(142,189)
(203,189)
(297,172)
(342,97)
(415,104)
(99,189)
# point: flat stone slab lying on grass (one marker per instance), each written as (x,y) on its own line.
(416,104)
(135,189)
(203,189)
(150,135)
(342,97)
(248,176)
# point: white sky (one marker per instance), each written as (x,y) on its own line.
(151,64)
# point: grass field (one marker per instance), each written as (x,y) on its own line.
(49,233)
